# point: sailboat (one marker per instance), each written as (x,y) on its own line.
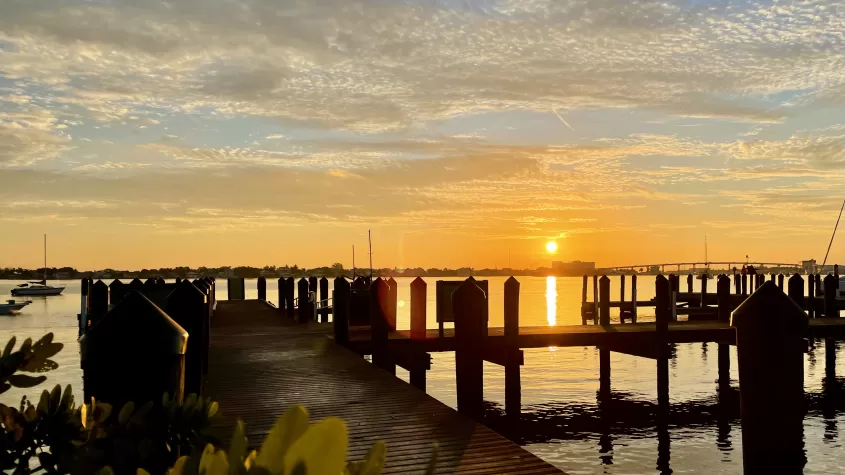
(706,274)
(38,287)
(835,227)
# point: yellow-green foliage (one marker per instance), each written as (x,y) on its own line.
(293,447)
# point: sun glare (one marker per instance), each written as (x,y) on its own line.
(551,247)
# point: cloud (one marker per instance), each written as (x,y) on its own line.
(370,66)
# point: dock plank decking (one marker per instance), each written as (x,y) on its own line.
(260,363)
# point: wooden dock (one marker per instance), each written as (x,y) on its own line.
(260,363)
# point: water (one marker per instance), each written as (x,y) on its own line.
(567,422)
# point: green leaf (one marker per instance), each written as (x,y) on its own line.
(212,409)
(24,381)
(290,427)
(26,347)
(67,397)
(138,417)
(44,404)
(83,415)
(102,411)
(322,448)
(9,347)
(55,398)
(36,365)
(238,445)
(374,461)
(125,412)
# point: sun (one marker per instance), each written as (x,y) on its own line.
(551,247)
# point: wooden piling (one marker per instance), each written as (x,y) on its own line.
(819,287)
(604,300)
(282,298)
(186,306)
(513,383)
(379,325)
(262,288)
(723,291)
(468,305)
(744,284)
(737,284)
(340,310)
(98,299)
(689,283)
(595,296)
(236,289)
(622,288)
(136,352)
(661,292)
(116,292)
(811,296)
(304,312)
(584,292)
(724,364)
(831,285)
(392,303)
(324,299)
(662,314)
(290,284)
(780,281)
(419,294)
(796,289)
(769,328)
(83,306)
(634,298)
(703,290)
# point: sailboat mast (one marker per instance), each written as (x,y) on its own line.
(353,262)
(45,258)
(370,239)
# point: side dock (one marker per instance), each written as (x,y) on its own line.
(261,363)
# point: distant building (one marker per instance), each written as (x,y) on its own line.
(574,268)
(809,267)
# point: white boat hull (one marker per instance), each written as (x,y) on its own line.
(28,291)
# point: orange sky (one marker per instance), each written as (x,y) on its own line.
(249,132)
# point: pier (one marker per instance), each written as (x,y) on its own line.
(256,358)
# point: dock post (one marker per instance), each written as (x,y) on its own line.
(324,299)
(584,301)
(634,298)
(379,325)
(811,296)
(513,383)
(392,303)
(796,290)
(290,284)
(819,287)
(780,281)
(604,300)
(744,284)
(704,290)
(419,292)
(724,357)
(737,284)
(468,304)
(723,291)
(236,288)
(186,306)
(622,287)
(769,328)
(283,299)
(98,299)
(302,299)
(340,310)
(83,306)
(831,285)
(662,315)
(262,288)
(689,283)
(116,292)
(596,298)
(135,353)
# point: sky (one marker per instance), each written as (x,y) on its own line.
(141,133)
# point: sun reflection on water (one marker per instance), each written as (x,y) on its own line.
(551,300)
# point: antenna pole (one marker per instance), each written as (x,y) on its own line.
(370,239)
(45,258)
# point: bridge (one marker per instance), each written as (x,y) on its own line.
(693,266)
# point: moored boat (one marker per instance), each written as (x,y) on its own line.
(12,307)
(37,288)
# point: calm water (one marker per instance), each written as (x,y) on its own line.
(566,421)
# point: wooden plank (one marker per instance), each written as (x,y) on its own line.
(260,363)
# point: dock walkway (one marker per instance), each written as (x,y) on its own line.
(261,362)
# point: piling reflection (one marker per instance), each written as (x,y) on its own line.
(551,300)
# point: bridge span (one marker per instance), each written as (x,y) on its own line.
(701,266)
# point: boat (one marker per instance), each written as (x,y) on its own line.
(11,307)
(38,287)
